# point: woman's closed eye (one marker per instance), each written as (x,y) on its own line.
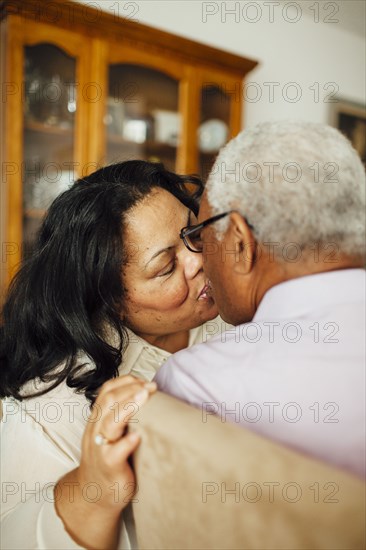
(168,270)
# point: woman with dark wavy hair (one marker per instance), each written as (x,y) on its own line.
(110,290)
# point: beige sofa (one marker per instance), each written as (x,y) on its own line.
(211,485)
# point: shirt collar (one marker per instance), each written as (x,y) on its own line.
(138,344)
(303,295)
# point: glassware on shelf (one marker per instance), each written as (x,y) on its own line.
(41,190)
(51,102)
(32,88)
(50,99)
(71,97)
(142,117)
(139,129)
(114,119)
(48,139)
(167,126)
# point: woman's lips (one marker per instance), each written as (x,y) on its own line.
(205,292)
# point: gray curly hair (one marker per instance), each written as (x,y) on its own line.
(296,182)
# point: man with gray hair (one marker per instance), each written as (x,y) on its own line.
(282,232)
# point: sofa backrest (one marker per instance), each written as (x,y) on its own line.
(212,485)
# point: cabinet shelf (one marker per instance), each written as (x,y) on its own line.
(42,128)
(149,146)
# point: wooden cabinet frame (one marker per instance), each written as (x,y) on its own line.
(96,39)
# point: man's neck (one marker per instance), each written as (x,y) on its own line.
(279,272)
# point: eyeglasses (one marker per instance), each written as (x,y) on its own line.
(191,234)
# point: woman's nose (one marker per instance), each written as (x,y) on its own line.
(192,263)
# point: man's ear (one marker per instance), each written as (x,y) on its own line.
(242,240)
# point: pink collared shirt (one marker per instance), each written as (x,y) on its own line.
(295,374)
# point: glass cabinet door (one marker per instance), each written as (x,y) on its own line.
(50,103)
(142,118)
(214,130)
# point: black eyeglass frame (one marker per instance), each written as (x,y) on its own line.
(185,231)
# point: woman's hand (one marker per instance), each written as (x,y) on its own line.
(90,498)
(106,464)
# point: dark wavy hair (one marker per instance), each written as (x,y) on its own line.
(71,286)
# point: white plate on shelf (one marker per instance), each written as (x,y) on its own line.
(212,135)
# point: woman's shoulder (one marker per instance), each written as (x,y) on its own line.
(62,390)
(58,415)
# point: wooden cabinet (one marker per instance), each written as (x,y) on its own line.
(83,88)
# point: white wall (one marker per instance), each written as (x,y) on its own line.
(313,54)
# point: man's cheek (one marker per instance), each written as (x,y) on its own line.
(206,263)
(210,249)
